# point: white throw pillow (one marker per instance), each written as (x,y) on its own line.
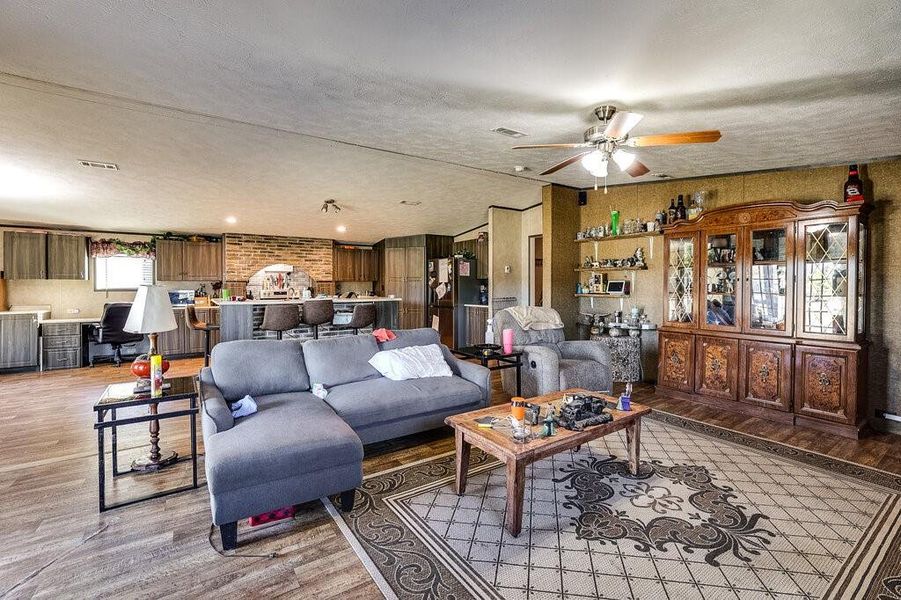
(412,362)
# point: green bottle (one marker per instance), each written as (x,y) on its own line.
(614,222)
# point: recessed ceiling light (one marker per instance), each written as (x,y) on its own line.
(521,168)
(340,228)
(411,202)
(231,220)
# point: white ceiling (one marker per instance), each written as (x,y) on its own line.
(788,83)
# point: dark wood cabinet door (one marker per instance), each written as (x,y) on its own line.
(170,260)
(67,256)
(716,367)
(202,261)
(24,255)
(765,374)
(826,383)
(481,250)
(676,370)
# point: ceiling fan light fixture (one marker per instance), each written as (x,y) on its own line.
(623,159)
(602,169)
(592,161)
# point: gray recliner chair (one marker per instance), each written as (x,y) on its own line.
(550,363)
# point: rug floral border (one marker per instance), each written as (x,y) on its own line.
(419,566)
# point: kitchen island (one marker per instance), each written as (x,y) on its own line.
(241,320)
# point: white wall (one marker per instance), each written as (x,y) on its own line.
(531,225)
(508,245)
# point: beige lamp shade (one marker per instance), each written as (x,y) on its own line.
(151,311)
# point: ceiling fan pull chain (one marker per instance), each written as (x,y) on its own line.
(605,185)
(595,184)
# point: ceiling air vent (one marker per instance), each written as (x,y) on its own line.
(99,165)
(508,132)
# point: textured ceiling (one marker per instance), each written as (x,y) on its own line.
(788,83)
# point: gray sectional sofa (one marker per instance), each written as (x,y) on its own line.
(298,447)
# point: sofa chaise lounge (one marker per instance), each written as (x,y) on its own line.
(298,447)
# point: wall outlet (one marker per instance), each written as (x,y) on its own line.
(73,311)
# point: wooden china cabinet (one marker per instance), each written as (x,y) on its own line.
(765,312)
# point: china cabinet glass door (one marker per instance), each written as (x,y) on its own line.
(770,261)
(721,292)
(824,310)
(680,281)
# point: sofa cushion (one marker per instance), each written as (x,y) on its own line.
(412,337)
(366,403)
(259,367)
(289,435)
(334,361)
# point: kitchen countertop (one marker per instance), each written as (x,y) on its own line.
(301,301)
(485,306)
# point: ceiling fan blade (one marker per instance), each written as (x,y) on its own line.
(637,169)
(621,124)
(580,145)
(565,163)
(670,139)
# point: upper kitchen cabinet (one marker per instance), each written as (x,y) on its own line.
(480,250)
(355,263)
(24,255)
(67,256)
(179,260)
(30,255)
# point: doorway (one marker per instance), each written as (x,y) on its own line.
(536,267)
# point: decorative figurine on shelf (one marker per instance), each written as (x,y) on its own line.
(639,258)
(625,399)
(550,423)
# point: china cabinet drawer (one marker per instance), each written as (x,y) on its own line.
(765,374)
(676,369)
(716,370)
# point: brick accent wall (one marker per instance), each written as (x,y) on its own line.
(246,254)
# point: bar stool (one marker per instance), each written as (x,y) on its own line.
(196,324)
(363,316)
(316,313)
(280,318)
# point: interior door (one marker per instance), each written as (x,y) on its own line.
(721,280)
(769,278)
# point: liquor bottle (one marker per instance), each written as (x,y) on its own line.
(660,217)
(854,186)
(671,213)
(680,209)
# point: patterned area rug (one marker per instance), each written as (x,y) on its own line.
(712,514)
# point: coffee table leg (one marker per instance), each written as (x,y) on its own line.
(516,486)
(461,462)
(633,439)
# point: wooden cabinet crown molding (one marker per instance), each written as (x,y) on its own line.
(759,212)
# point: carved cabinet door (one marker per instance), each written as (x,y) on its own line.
(826,383)
(716,367)
(765,374)
(676,370)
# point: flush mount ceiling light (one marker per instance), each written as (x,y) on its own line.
(231,220)
(341,228)
(330,205)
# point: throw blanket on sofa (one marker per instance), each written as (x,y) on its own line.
(535,317)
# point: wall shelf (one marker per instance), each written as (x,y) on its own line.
(601,295)
(607,269)
(624,236)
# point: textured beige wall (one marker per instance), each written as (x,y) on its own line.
(505,249)
(808,185)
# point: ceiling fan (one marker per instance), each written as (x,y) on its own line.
(606,142)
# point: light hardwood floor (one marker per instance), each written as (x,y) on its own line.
(54,544)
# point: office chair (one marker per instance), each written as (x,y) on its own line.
(110,331)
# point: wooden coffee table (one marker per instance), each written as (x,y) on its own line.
(516,456)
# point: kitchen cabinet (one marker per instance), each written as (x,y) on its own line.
(480,250)
(67,256)
(18,340)
(24,255)
(179,260)
(355,263)
(405,273)
(60,346)
(183,340)
(774,296)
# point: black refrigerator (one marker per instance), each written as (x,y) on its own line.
(452,283)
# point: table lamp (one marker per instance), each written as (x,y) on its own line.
(151,313)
